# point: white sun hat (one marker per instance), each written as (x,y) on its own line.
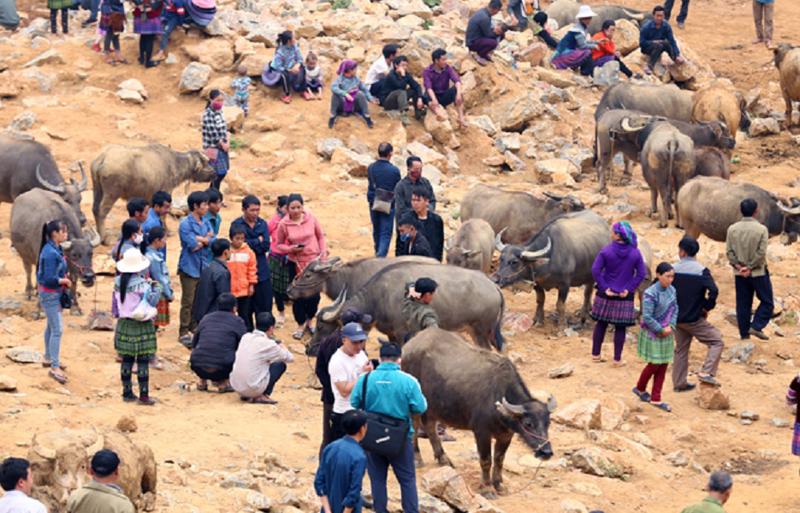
(585,12)
(133,261)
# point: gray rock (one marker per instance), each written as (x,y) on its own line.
(48,57)
(749,415)
(740,353)
(677,459)
(40,27)
(764,126)
(562,371)
(7,383)
(430,504)
(325,147)
(596,462)
(780,423)
(606,75)
(45,80)
(507,141)
(484,123)
(9,305)
(194,77)
(130,96)
(514,162)
(259,501)
(24,354)
(23,121)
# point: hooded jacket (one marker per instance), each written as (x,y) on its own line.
(619,267)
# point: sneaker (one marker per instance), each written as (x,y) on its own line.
(130,398)
(186,341)
(90,21)
(686,388)
(709,380)
(331,121)
(369,121)
(758,334)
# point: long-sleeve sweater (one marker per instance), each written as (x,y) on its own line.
(650,32)
(242,266)
(695,289)
(576,39)
(394,82)
(746,244)
(618,267)
(286,57)
(343,85)
(659,307)
(306,231)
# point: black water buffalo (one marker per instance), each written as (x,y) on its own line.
(709,205)
(711,162)
(559,256)
(31,211)
(465,299)
(472,246)
(139,171)
(517,214)
(26,164)
(472,388)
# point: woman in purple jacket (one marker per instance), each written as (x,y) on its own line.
(618,270)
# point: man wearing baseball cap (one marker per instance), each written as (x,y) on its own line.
(102,494)
(346,365)
(393,393)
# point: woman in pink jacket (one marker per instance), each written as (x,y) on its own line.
(300,236)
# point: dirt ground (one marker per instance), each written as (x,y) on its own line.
(217,433)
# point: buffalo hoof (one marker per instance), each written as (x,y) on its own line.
(500,489)
(488,492)
(443,460)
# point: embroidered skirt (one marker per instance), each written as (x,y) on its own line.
(571,59)
(201,16)
(162,317)
(281,271)
(614,310)
(796,439)
(135,338)
(147,25)
(654,349)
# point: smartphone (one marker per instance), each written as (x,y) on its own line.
(301,246)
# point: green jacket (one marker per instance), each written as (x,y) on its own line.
(709,505)
(96,497)
(746,244)
(418,315)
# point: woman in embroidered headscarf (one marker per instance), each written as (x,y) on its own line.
(286,67)
(617,270)
(350,94)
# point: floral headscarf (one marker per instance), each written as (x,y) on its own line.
(625,232)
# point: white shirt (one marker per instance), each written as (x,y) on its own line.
(17,502)
(377,71)
(250,374)
(344,368)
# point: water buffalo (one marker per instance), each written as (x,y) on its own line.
(519,213)
(139,171)
(667,163)
(334,276)
(564,11)
(711,162)
(26,164)
(30,212)
(472,388)
(720,102)
(382,298)
(709,205)
(559,256)
(472,246)
(787,60)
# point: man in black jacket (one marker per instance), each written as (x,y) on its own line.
(215,342)
(214,280)
(431,224)
(697,295)
(411,241)
(402,191)
(398,88)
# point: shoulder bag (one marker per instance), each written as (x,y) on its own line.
(382,203)
(386,436)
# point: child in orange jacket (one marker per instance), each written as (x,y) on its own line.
(242,266)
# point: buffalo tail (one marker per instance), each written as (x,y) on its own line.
(499,341)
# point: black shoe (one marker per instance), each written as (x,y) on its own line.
(685,388)
(331,121)
(152,64)
(759,334)
(369,121)
(87,22)
(130,398)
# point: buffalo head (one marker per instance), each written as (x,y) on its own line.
(328,318)
(531,420)
(568,203)
(722,135)
(201,168)
(70,192)
(79,254)
(519,262)
(780,53)
(791,220)
(461,257)
(310,282)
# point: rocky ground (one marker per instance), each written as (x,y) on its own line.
(215,454)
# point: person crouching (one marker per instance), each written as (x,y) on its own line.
(260,362)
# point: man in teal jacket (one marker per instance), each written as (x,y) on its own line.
(394,393)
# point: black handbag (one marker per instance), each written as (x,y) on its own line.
(386,436)
(65,299)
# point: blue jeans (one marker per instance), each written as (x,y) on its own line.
(382,225)
(51,304)
(403,466)
(171,22)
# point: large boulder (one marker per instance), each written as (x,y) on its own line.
(194,77)
(516,114)
(446,484)
(215,52)
(626,36)
(355,164)
(256,62)
(59,460)
(606,413)
(442,131)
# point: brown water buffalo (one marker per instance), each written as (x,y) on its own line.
(709,205)
(787,60)
(667,163)
(382,298)
(564,11)
(31,211)
(139,171)
(711,162)
(472,388)
(472,246)
(520,214)
(26,164)
(720,102)
(559,256)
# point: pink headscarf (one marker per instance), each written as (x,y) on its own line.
(346,65)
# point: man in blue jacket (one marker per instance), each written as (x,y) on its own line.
(393,393)
(196,236)
(656,38)
(383,175)
(341,468)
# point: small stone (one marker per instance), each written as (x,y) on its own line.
(325,147)
(563,371)
(48,57)
(712,398)
(749,415)
(484,123)
(745,422)
(780,423)
(130,96)
(23,121)
(595,461)
(564,78)
(259,501)
(127,424)
(677,459)
(573,506)
(446,484)
(507,141)
(133,85)
(740,353)
(7,383)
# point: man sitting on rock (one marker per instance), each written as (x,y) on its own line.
(102,493)
(215,343)
(436,80)
(656,38)
(482,36)
(399,88)
(380,68)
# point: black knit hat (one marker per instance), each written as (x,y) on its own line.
(105,462)
(425,285)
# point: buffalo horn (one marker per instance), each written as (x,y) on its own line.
(626,126)
(66,245)
(468,252)
(633,15)
(93,236)
(515,409)
(84,180)
(546,398)
(59,189)
(498,240)
(554,197)
(791,211)
(332,312)
(530,255)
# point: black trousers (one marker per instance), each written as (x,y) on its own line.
(146,43)
(280,301)
(64,20)
(327,411)
(262,298)
(684,12)
(654,49)
(337,431)
(216,182)
(244,307)
(305,309)
(276,370)
(111,39)
(761,287)
(142,375)
(212,373)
